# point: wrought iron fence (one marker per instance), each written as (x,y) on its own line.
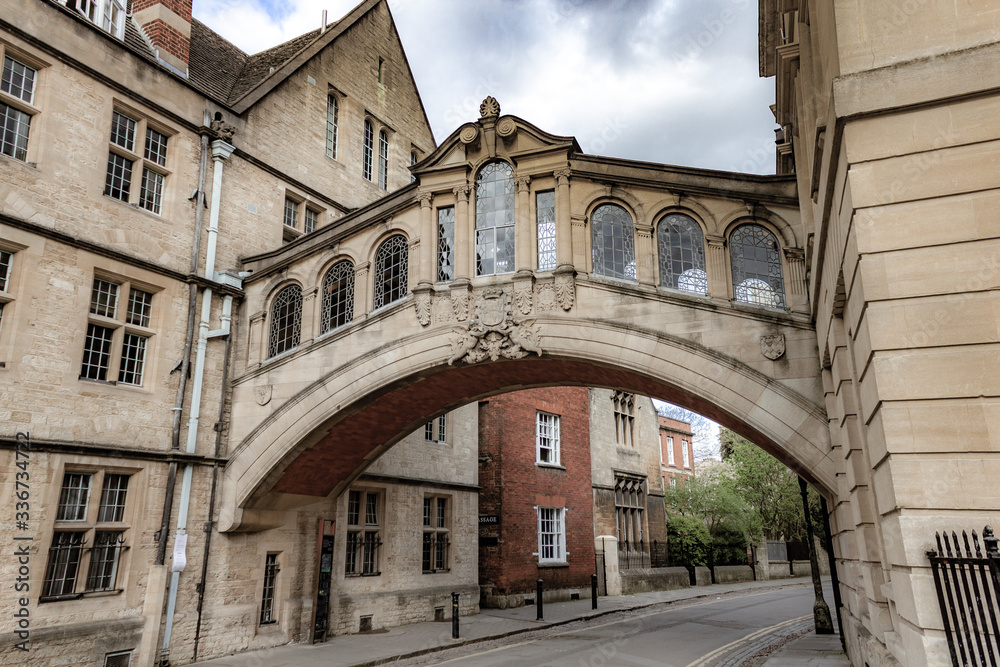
(967,586)
(632,556)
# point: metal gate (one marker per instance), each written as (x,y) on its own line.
(967,587)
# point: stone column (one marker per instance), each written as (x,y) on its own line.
(522,226)
(715,267)
(426,272)
(564,229)
(644,271)
(309,326)
(255,345)
(795,283)
(362,286)
(463,235)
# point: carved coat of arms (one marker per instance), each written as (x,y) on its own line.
(493,332)
(773,347)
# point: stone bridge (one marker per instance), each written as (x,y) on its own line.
(514,260)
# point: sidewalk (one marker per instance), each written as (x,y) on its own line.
(811,650)
(421,638)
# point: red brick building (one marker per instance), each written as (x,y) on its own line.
(677,449)
(535,503)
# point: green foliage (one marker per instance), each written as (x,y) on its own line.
(769,488)
(689,541)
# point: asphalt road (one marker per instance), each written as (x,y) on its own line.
(723,632)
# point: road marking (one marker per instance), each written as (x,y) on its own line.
(706,660)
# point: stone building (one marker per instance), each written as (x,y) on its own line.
(676,451)
(561,469)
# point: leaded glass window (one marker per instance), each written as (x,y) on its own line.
(613,242)
(446,243)
(681,249)
(756,263)
(383,160)
(391,266)
(495,219)
(367,153)
(338,296)
(545,214)
(286,320)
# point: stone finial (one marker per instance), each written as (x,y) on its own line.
(490,108)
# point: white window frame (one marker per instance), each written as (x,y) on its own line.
(437,429)
(685,453)
(558,515)
(102,13)
(332,124)
(670,451)
(18,103)
(552,438)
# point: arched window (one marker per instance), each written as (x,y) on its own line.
(614,242)
(391,263)
(331,126)
(383,159)
(367,152)
(286,321)
(495,219)
(756,263)
(681,247)
(338,296)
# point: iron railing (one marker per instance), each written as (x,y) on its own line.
(636,555)
(967,587)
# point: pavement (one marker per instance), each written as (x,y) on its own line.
(381,647)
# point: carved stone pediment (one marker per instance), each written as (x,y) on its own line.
(493,332)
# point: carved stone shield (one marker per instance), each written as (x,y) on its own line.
(492,307)
(262,394)
(773,347)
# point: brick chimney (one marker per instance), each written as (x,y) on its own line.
(167,24)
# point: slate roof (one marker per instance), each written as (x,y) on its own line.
(214,65)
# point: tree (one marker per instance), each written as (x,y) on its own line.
(767,485)
(711,500)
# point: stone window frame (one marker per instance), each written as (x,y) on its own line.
(29,108)
(437,430)
(631,495)
(383,293)
(629,272)
(333,102)
(141,158)
(476,229)
(88,527)
(9,281)
(436,534)
(444,251)
(269,589)
(365,536)
(546,243)
(121,325)
(685,281)
(297,224)
(554,438)
(623,408)
(775,284)
(287,342)
(330,319)
(561,556)
(383,159)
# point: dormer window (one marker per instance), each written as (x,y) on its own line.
(109,15)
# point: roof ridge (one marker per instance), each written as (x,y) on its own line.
(219,35)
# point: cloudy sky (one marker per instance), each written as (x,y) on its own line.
(670,81)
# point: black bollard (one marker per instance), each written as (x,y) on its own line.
(454,615)
(593,591)
(538,601)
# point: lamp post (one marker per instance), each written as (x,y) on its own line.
(821,612)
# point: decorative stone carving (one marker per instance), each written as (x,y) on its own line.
(468,134)
(223,130)
(441,310)
(506,127)
(773,347)
(422,304)
(262,394)
(522,296)
(490,108)
(493,332)
(565,290)
(460,306)
(545,297)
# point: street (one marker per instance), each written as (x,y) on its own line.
(725,631)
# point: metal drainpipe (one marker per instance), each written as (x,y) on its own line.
(220,153)
(231,328)
(175,434)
